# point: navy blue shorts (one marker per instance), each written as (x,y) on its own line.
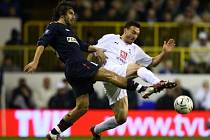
(80,76)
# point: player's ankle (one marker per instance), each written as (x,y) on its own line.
(53,136)
(56,131)
(131,85)
(139,88)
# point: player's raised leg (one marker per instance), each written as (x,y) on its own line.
(142,72)
(145,74)
(126,83)
(122,82)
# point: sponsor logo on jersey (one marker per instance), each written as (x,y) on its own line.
(123,54)
(67,30)
(72,40)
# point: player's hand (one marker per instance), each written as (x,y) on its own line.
(168,46)
(31,67)
(101,56)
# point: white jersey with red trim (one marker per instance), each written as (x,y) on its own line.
(120,53)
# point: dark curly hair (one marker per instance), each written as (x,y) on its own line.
(61,9)
(132,23)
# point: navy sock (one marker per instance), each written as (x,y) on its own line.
(54,131)
(63,125)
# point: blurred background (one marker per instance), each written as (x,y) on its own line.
(46,92)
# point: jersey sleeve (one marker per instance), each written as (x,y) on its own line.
(82,44)
(47,36)
(142,58)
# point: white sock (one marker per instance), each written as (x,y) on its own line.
(105,125)
(53,136)
(58,129)
(147,75)
(138,87)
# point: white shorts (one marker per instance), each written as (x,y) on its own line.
(114,93)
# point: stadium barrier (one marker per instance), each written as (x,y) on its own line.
(153,34)
(21,55)
(36,123)
(189,81)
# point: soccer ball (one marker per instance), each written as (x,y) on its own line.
(183,104)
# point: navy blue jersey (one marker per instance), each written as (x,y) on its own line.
(66,44)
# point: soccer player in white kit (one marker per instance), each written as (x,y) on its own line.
(127,59)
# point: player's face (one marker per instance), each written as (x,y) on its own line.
(131,34)
(70,17)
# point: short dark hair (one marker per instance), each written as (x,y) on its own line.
(61,9)
(132,23)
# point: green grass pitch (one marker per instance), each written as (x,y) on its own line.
(113,138)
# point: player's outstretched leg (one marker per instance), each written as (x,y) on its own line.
(119,81)
(157,88)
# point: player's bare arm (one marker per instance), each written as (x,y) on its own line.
(32,66)
(167,49)
(99,54)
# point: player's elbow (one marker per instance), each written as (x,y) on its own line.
(153,64)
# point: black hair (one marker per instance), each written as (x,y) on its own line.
(61,9)
(132,23)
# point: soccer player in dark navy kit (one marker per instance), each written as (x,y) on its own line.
(79,72)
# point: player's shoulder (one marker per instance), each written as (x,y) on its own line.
(110,36)
(137,47)
(54,24)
